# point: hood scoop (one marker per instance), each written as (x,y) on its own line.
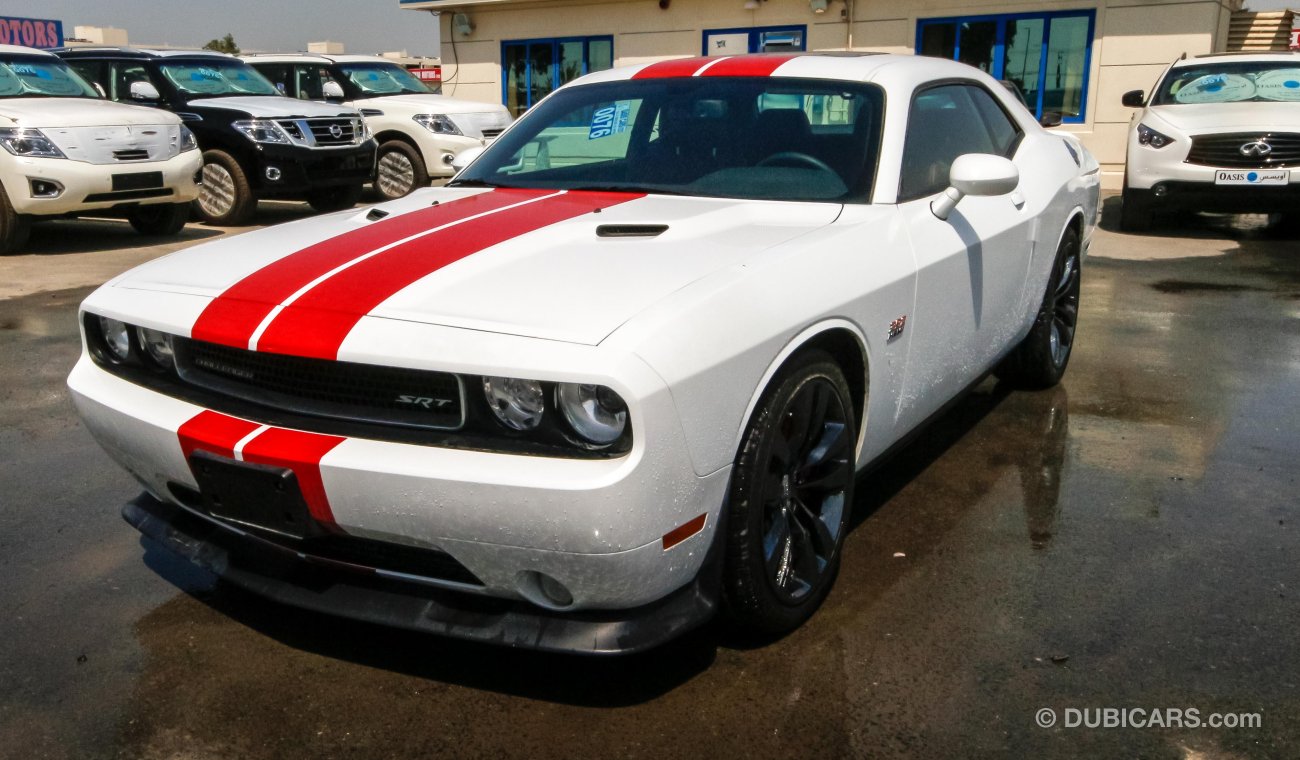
(631,230)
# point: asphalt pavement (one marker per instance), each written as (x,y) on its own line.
(1127,541)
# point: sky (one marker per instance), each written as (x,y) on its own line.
(364,26)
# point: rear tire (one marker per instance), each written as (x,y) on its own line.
(1041,358)
(400,170)
(339,198)
(15,228)
(791,497)
(159,218)
(225,197)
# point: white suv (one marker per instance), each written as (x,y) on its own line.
(68,151)
(419,132)
(1219,133)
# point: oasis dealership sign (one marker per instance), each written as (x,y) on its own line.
(31,32)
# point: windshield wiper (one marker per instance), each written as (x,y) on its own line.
(478,183)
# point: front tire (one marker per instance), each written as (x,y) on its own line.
(1136,212)
(15,228)
(159,218)
(225,197)
(330,199)
(399,170)
(791,497)
(1041,358)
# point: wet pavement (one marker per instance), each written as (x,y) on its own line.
(1126,540)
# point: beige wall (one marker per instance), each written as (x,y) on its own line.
(1134,40)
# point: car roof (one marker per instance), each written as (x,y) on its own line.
(96,51)
(1244,56)
(894,69)
(22,50)
(308,57)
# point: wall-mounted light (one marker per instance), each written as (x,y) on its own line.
(819,6)
(462,25)
(751,5)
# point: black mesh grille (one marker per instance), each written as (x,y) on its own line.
(1226,150)
(340,390)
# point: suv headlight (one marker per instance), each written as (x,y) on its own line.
(437,123)
(187,139)
(262,131)
(1149,137)
(28,143)
(361,128)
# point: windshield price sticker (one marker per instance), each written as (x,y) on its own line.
(610,120)
(1252,178)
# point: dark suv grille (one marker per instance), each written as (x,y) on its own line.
(325,132)
(1226,150)
(338,390)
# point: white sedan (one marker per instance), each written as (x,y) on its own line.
(620,373)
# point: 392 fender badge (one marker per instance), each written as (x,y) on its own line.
(896,327)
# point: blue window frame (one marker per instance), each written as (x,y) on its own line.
(1048,56)
(531,69)
(753,39)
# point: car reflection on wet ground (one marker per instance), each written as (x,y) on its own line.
(1126,540)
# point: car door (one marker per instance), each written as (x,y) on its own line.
(971,266)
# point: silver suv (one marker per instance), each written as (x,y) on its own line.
(1218,133)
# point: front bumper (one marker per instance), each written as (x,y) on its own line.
(302,170)
(360,593)
(1230,199)
(438,150)
(90,187)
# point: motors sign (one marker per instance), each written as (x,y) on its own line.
(31,32)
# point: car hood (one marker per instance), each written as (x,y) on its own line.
(427,104)
(571,267)
(1244,117)
(274,107)
(79,112)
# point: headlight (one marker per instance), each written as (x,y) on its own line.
(29,143)
(437,123)
(517,404)
(158,346)
(117,338)
(262,131)
(1148,136)
(362,130)
(594,412)
(187,139)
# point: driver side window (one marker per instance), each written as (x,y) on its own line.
(946,122)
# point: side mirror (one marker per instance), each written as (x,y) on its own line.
(332,91)
(978,174)
(1134,99)
(1050,119)
(142,90)
(466,157)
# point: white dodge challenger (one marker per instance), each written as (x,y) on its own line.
(617,376)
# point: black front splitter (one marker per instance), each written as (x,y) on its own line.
(348,591)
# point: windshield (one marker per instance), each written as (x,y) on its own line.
(765,138)
(216,78)
(41,76)
(372,79)
(1230,82)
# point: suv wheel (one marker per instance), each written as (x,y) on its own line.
(159,218)
(400,170)
(14,227)
(1136,211)
(1041,358)
(225,197)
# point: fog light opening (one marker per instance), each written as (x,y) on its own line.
(544,591)
(447,158)
(46,188)
(1160,191)
(273,173)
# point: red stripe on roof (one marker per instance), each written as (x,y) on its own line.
(680,67)
(232,317)
(316,324)
(748,65)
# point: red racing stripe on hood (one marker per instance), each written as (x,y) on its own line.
(231,318)
(296,450)
(315,324)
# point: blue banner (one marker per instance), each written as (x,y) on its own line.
(31,32)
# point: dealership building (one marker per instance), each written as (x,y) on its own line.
(1076,58)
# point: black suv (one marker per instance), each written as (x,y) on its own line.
(256,143)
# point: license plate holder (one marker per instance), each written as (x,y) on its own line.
(1252,177)
(263,497)
(137,181)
